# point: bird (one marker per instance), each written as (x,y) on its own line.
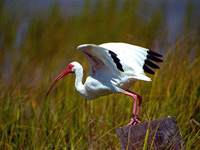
(114,68)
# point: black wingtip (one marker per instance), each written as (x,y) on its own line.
(152,53)
(154,58)
(151,56)
(147,69)
(151,64)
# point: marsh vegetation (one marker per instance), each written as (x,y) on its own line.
(35,48)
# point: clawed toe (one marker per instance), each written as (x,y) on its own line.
(133,121)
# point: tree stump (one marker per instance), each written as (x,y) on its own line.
(161,134)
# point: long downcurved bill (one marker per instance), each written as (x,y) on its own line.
(64,73)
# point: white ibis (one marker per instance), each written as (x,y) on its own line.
(114,68)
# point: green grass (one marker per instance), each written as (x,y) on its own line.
(64,119)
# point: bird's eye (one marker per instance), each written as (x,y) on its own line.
(70,67)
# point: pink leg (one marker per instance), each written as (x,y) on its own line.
(139,105)
(134,119)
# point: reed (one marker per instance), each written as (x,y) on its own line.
(34,51)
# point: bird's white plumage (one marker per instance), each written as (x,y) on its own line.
(114,69)
(104,75)
(100,55)
(132,58)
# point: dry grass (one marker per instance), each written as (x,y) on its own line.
(33,51)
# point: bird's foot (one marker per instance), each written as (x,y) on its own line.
(133,121)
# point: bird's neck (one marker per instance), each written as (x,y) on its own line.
(78,82)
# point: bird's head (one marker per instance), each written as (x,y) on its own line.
(71,68)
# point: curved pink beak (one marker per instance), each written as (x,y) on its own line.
(64,73)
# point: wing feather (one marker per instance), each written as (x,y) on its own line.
(122,59)
(98,54)
(135,60)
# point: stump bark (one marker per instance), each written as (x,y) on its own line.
(157,134)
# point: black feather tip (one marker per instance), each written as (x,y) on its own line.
(116,61)
(147,69)
(151,64)
(152,53)
(152,56)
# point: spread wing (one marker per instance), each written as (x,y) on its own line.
(121,59)
(100,58)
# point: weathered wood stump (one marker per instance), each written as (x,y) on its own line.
(162,134)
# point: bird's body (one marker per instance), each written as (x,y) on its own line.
(114,68)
